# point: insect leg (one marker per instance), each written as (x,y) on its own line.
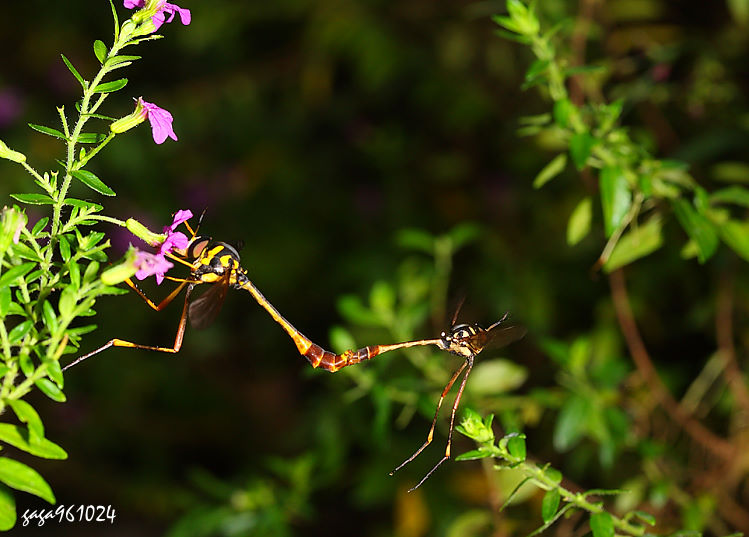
(434,421)
(467,365)
(122,343)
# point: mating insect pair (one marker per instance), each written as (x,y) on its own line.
(218,263)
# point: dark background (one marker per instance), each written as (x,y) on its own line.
(315,130)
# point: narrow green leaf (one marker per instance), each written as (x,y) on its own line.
(74,71)
(602,525)
(51,390)
(33,199)
(19,331)
(551,170)
(109,87)
(11,275)
(90,137)
(39,226)
(415,239)
(18,437)
(580,220)
(637,243)
(50,318)
(100,49)
(48,131)
(645,517)
(20,477)
(698,227)
(67,302)
(26,414)
(83,204)
(736,235)
(93,182)
(581,145)
(737,195)
(616,198)
(563,112)
(64,246)
(115,60)
(473,455)
(550,504)
(7,508)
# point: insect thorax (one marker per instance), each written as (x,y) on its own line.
(215,261)
(459,340)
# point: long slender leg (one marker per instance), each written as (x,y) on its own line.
(122,343)
(434,421)
(316,355)
(164,303)
(469,364)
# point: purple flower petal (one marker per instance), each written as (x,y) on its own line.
(180,217)
(174,241)
(132,4)
(161,122)
(148,264)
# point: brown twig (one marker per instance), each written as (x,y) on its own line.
(724,336)
(706,438)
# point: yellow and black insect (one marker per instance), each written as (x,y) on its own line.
(218,263)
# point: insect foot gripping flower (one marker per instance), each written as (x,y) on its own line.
(157,11)
(175,240)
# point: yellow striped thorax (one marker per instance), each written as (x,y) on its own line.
(463,339)
(214,260)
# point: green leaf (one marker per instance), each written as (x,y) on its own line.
(39,226)
(551,170)
(68,300)
(18,437)
(473,455)
(736,235)
(51,390)
(64,246)
(464,233)
(580,220)
(602,525)
(354,311)
(109,87)
(11,275)
(90,137)
(492,377)
(48,130)
(20,477)
(616,198)
(26,414)
(645,517)
(415,239)
(115,60)
(698,227)
(7,508)
(516,446)
(382,298)
(19,331)
(550,504)
(581,145)
(100,49)
(341,339)
(737,195)
(637,243)
(33,199)
(563,113)
(572,422)
(93,182)
(83,204)
(73,70)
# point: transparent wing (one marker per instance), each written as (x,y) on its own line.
(204,309)
(499,336)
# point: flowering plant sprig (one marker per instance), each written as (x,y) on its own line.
(50,269)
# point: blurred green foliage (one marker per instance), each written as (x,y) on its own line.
(347,145)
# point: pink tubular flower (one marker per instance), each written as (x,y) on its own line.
(161,9)
(148,264)
(160,119)
(175,240)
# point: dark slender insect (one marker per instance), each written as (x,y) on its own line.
(218,263)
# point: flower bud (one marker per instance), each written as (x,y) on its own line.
(142,232)
(8,153)
(123,271)
(132,120)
